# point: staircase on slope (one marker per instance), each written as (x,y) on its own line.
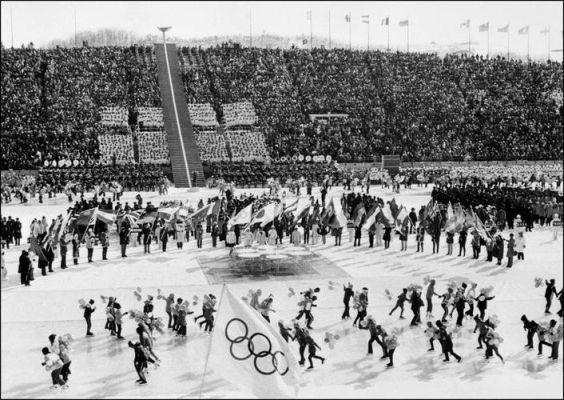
(184,155)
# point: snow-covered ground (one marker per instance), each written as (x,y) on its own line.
(103,367)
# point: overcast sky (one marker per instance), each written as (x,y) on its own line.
(429,21)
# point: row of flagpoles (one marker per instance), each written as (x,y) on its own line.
(365,19)
(485,27)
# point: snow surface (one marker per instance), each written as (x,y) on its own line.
(103,366)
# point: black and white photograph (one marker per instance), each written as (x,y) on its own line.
(254,199)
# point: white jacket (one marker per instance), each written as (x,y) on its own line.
(520,244)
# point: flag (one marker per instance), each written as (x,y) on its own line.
(328,213)
(484,27)
(37,249)
(504,29)
(404,23)
(544,31)
(371,217)
(63,226)
(303,206)
(106,217)
(358,212)
(394,208)
(315,213)
(239,332)
(450,212)
(201,213)
(465,24)
(264,215)
(403,217)
(386,21)
(167,213)
(304,41)
(243,217)
(308,15)
(291,207)
(216,208)
(87,217)
(147,218)
(365,19)
(348,18)
(182,212)
(340,219)
(386,216)
(524,30)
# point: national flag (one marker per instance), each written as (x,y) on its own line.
(264,215)
(386,216)
(63,226)
(544,31)
(403,217)
(308,15)
(243,217)
(182,212)
(465,24)
(348,18)
(301,209)
(371,217)
(404,23)
(524,30)
(328,213)
(167,213)
(479,226)
(340,219)
(147,218)
(504,29)
(315,213)
(239,332)
(87,217)
(216,207)
(291,207)
(106,217)
(484,27)
(386,21)
(202,212)
(37,248)
(449,212)
(365,19)
(358,213)
(394,208)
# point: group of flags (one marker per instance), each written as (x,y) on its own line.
(504,29)
(365,19)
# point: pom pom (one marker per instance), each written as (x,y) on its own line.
(487,291)
(494,321)
(138,289)
(452,284)
(137,295)
(539,282)
(104,299)
(426,280)
(291,292)
(82,302)
(245,299)
(388,294)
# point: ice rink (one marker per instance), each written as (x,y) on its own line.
(103,366)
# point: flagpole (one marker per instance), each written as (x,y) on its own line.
(388,21)
(329,30)
(75,27)
(12,27)
(528,37)
(408,36)
(310,31)
(508,44)
(350,31)
(210,344)
(548,48)
(488,42)
(250,28)
(368,36)
(469,48)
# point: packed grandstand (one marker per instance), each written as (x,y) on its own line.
(79,110)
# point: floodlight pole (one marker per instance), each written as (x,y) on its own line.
(163,29)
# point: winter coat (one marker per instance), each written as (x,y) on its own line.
(511,248)
(296,238)
(450,237)
(387,234)
(520,244)
(24,265)
(272,236)
(498,248)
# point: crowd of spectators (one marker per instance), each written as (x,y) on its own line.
(118,148)
(211,145)
(241,113)
(202,115)
(246,144)
(420,106)
(149,118)
(55,102)
(153,147)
